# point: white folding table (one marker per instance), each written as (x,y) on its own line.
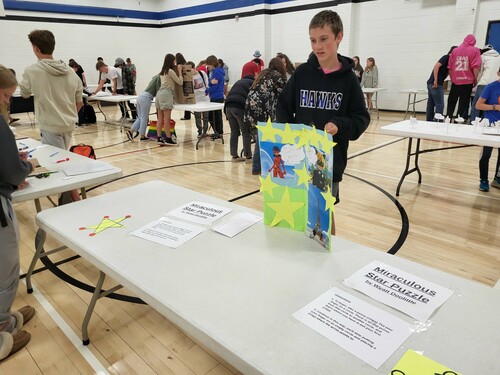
(436,131)
(108,97)
(374,91)
(236,296)
(201,107)
(56,183)
(412,99)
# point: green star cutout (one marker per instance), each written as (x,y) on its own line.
(329,199)
(288,135)
(268,132)
(303,176)
(267,184)
(326,144)
(285,209)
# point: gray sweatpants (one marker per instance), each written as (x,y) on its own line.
(9,259)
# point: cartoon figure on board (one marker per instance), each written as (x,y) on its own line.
(317,232)
(318,175)
(277,164)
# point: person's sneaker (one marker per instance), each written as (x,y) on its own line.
(130,135)
(248,160)
(484,185)
(496,183)
(170,142)
(144,139)
(236,159)
(256,173)
(160,141)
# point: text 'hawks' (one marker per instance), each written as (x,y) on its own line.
(320,99)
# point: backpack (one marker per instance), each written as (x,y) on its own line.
(84,150)
(86,115)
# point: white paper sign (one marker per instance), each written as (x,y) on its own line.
(199,212)
(86,167)
(235,223)
(405,292)
(366,331)
(168,232)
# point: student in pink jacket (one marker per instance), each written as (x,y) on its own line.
(464,65)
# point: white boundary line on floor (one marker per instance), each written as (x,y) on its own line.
(66,329)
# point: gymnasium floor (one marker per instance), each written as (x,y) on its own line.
(444,223)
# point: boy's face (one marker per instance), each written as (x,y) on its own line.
(324,44)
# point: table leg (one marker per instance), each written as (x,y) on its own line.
(407,106)
(98,293)
(84,193)
(407,170)
(39,242)
(414,101)
(100,110)
(38,206)
(376,104)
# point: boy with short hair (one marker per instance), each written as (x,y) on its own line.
(324,92)
(57,91)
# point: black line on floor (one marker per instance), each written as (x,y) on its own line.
(405,223)
(41,269)
(52,267)
(158,169)
(243,196)
(376,148)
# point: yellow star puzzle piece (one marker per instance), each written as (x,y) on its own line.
(329,199)
(314,137)
(267,184)
(303,176)
(288,135)
(268,132)
(285,209)
(106,223)
(326,144)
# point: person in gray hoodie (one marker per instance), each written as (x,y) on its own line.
(57,91)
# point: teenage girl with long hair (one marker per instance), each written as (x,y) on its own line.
(370,79)
(170,75)
(261,101)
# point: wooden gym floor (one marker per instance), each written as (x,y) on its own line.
(444,223)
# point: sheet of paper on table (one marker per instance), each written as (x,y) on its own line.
(401,290)
(235,223)
(366,331)
(199,212)
(168,232)
(83,168)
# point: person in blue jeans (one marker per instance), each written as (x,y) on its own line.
(215,91)
(435,101)
(143,108)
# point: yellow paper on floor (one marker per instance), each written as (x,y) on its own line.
(412,363)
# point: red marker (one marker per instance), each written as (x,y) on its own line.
(62,160)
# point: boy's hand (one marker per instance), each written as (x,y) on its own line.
(331,128)
(23,185)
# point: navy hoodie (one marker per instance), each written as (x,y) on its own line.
(312,97)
